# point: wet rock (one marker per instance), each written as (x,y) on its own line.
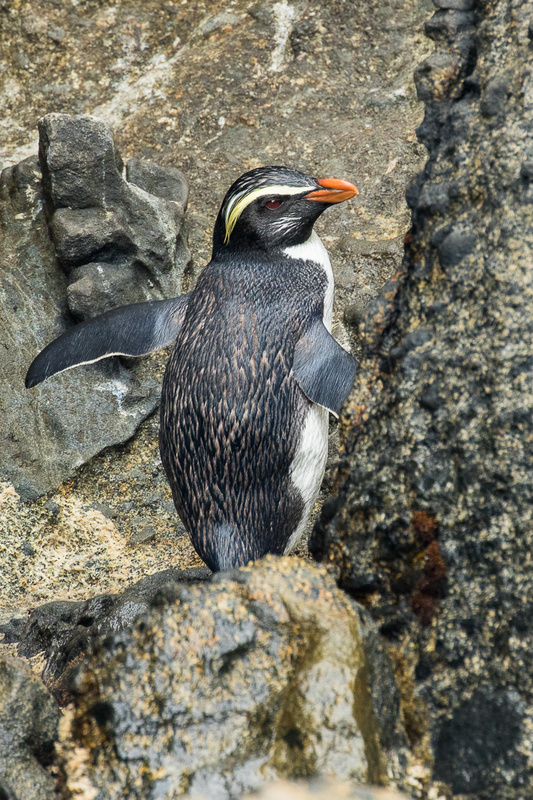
(29,720)
(119,244)
(432,524)
(266,671)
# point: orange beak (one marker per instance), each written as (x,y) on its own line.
(334,191)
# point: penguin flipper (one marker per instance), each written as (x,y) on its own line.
(323,369)
(132,330)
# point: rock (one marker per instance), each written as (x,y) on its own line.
(63,631)
(29,721)
(266,671)
(84,235)
(118,244)
(96,288)
(97,216)
(167,183)
(461,5)
(56,33)
(322,790)
(80,164)
(432,522)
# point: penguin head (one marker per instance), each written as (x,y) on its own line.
(273,207)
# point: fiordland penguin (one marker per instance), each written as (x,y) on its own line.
(253,373)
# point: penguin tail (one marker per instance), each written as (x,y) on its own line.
(225,548)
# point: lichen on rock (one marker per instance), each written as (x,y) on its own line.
(28,730)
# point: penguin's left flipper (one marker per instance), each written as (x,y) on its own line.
(323,369)
(133,330)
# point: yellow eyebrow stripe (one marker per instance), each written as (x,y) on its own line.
(239,203)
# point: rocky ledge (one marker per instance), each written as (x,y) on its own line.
(216,688)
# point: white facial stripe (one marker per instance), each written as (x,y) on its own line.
(238,203)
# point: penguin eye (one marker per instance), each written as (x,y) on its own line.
(272,204)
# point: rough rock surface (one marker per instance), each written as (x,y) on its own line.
(323,87)
(432,524)
(268,670)
(62,631)
(326,87)
(119,240)
(29,720)
(93,213)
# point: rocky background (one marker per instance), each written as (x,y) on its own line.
(431,525)
(169,682)
(210,89)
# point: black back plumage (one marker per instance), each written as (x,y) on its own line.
(232,411)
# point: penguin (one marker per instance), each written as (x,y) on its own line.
(253,373)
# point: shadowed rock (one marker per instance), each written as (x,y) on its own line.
(433,516)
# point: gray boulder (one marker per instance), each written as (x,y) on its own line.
(433,517)
(266,671)
(78,239)
(63,631)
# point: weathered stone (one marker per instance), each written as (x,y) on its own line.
(28,730)
(80,164)
(157,237)
(268,670)
(448,24)
(432,524)
(97,216)
(460,5)
(49,431)
(494,99)
(63,631)
(436,76)
(82,235)
(96,288)
(165,182)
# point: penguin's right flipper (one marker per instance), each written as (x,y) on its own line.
(323,369)
(133,330)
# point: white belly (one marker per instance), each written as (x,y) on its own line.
(307,469)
